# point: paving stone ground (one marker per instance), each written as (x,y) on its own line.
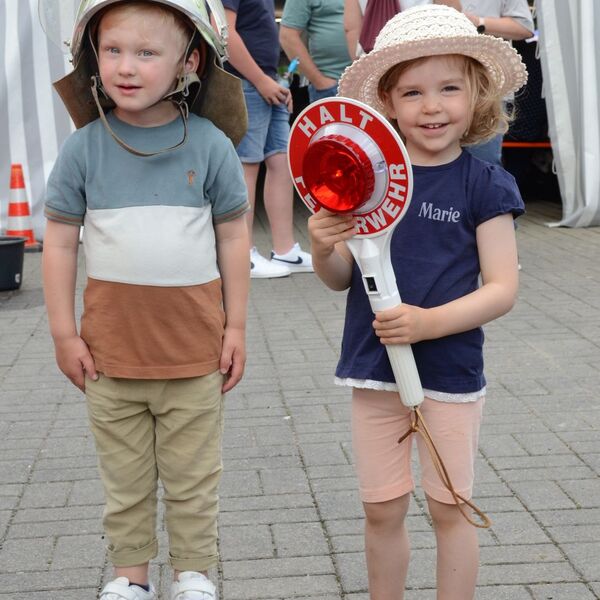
(291,523)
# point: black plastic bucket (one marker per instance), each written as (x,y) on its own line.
(12,251)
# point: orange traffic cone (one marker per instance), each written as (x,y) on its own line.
(19,217)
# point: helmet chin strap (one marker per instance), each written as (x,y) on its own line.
(177,96)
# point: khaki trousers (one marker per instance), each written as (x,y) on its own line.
(150,429)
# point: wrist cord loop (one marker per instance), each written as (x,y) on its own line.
(418,426)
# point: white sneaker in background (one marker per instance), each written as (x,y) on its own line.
(261,268)
(296,260)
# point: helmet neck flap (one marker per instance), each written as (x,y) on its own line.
(210,92)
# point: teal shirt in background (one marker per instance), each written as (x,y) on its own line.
(323,21)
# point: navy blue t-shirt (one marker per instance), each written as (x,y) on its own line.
(255,24)
(434,253)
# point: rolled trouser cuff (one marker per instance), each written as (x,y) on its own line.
(132,558)
(200,563)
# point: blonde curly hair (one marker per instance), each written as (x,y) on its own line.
(489,116)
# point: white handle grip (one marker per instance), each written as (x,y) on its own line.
(406,374)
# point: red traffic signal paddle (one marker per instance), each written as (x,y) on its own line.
(346,158)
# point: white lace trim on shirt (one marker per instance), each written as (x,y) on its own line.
(384,386)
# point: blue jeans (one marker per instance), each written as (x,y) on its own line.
(315,94)
(268,127)
(490,151)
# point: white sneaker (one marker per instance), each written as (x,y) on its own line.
(261,268)
(119,589)
(296,260)
(192,585)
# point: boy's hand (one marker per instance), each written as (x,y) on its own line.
(233,357)
(326,229)
(74,360)
(403,324)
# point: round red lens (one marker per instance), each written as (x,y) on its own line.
(338,173)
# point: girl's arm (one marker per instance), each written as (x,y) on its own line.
(330,255)
(59,266)
(234,266)
(497,249)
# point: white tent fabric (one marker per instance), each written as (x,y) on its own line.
(33,121)
(570,57)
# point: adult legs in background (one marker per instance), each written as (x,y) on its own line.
(278,199)
(251,177)
(267,139)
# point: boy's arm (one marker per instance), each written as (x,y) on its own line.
(59,264)
(243,62)
(234,266)
(497,249)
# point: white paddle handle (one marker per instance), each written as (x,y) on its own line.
(406,374)
(372,257)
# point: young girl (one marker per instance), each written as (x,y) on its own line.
(441,84)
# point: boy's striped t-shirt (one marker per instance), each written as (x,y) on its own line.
(152,304)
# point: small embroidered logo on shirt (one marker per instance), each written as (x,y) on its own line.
(191,176)
(437,214)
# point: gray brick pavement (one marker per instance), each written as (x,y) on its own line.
(290,524)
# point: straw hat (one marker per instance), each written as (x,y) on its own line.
(430,30)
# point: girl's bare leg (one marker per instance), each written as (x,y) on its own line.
(387,547)
(457,552)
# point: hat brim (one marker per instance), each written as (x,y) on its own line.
(360,79)
(221,99)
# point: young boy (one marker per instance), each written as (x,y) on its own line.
(162,196)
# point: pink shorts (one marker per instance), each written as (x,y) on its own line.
(383,465)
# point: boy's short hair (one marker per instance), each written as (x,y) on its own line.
(489,116)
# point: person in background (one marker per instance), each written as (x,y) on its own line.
(254,57)
(507,19)
(354,11)
(326,57)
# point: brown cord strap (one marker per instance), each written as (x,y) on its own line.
(418,426)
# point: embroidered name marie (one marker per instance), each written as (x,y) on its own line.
(437,214)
